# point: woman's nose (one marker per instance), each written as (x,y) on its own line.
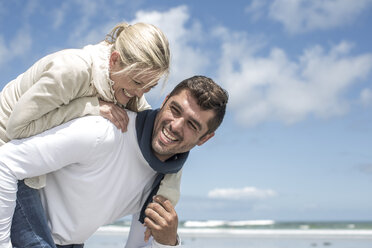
(139,92)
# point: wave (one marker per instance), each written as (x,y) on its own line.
(231,232)
(221,223)
(276,233)
(113,229)
(261,228)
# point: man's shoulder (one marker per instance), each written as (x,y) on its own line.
(93,132)
(85,126)
(87,120)
(99,125)
(89,127)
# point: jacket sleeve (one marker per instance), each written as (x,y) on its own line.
(170,187)
(57,82)
(76,108)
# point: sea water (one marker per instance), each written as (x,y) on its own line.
(252,234)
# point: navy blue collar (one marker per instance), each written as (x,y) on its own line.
(144,127)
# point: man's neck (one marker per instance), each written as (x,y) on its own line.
(162,158)
(164,164)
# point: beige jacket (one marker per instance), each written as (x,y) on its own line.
(58,88)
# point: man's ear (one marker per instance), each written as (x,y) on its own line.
(114,59)
(205,138)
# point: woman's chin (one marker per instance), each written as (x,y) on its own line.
(123,100)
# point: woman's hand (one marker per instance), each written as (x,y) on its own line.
(115,114)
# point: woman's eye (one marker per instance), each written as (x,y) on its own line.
(137,83)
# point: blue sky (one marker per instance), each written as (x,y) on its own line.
(296,142)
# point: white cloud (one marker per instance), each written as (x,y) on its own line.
(3,10)
(256,9)
(274,87)
(3,50)
(250,193)
(87,31)
(86,28)
(59,14)
(187,59)
(302,15)
(366,168)
(366,97)
(17,47)
(31,7)
(21,43)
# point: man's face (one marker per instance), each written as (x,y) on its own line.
(179,126)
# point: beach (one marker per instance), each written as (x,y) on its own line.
(250,236)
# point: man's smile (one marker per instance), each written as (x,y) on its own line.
(169,137)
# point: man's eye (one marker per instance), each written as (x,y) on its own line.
(136,82)
(175,111)
(193,126)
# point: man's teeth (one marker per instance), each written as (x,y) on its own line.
(168,135)
(127,93)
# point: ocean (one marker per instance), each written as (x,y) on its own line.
(252,234)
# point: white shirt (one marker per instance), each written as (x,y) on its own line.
(96,174)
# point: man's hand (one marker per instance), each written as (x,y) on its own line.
(115,114)
(162,221)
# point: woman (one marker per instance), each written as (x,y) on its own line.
(99,79)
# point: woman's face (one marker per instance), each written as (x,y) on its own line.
(127,85)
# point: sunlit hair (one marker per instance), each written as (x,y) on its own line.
(144,51)
(209,96)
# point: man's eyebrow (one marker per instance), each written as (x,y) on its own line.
(196,122)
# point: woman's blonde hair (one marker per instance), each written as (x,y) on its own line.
(144,50)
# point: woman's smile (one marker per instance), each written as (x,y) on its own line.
(127,93)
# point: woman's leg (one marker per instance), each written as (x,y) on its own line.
(29,225)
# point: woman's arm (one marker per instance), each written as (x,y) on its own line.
(52,83)
(76,108)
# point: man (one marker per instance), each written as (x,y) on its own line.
(98,174)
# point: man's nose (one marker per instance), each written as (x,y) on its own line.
(177,124)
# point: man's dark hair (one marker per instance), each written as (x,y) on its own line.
(209,96)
